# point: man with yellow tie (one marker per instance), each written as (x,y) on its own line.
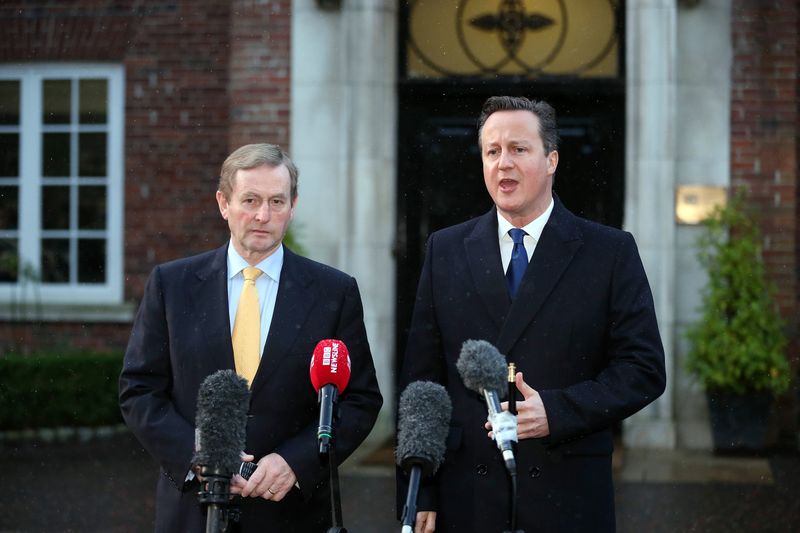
(254,306)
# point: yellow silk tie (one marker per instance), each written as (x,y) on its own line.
(247,328)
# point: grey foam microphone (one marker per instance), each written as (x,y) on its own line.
(220,431)
(423,423)
(483,370)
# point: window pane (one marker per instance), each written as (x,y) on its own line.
(92,207)
(56,105)
(55,154)
(9,155)
(93,101)
(9,207)
(91,261)
(92,150)
(55,260)
(55,207)
(9,260)
(9,102)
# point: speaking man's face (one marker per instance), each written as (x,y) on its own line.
(258,211)
(516,170)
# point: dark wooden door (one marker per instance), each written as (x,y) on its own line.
(440,178)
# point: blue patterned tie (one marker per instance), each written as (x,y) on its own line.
(519,261)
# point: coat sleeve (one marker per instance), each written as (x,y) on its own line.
(145,384)
(357,408)
(634,375)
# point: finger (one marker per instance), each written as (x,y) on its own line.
(253,484)
(235,488)
(419,524)
(525,389)
(246,457)
(426,522)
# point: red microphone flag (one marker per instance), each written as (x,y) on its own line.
(330,365)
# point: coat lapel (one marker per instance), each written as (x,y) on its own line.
(211,303)
(557,246)
(483,256)
(294,300)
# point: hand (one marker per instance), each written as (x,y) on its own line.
(531,415)
(426,522)
(272,480)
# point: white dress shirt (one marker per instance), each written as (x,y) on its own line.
(533,230)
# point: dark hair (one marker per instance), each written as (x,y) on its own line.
(252,156)
(548,128)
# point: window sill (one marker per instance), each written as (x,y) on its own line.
(119,313)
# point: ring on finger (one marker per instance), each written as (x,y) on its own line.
(270,491)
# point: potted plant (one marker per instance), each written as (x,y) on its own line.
(738,346)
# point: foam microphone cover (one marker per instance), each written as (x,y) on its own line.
(221,420)
(330,365)
(423,423)
(482,367)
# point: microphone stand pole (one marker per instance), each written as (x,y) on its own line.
(336,501)
(327,453)
(410,510)
(214,493)
(512,408)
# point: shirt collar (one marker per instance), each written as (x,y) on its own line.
(534,228)
(271,266)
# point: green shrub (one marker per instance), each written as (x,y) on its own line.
(51,390)
(738,345)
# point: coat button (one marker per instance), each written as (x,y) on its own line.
(481,470)
(534,471)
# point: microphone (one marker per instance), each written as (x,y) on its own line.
(220,431)
(484,370)
(330,373)
(423,423)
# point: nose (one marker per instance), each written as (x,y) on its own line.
(505,160)
(263,212)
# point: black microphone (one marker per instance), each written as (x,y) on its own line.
(220,431)
(483,370)
(423,423)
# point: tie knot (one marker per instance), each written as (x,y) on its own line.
(517,235)
(251,273)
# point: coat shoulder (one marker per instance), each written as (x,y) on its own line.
(179,268)
(594,232)
(326,274)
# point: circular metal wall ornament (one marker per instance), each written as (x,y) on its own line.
(511,21)
(512,37)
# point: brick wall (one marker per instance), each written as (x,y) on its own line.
(764,129)
(202,78)
(765,124)
(260,68)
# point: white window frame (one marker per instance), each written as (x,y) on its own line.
(24,291)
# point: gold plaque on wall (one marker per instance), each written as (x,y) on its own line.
(694,203)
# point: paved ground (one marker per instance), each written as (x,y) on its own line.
(106,485)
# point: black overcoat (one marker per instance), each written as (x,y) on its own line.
(582,330)
(182,334)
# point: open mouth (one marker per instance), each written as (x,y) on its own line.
(507,185)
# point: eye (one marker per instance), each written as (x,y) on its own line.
(521,149)
(491,151)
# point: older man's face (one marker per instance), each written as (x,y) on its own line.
(258,211)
